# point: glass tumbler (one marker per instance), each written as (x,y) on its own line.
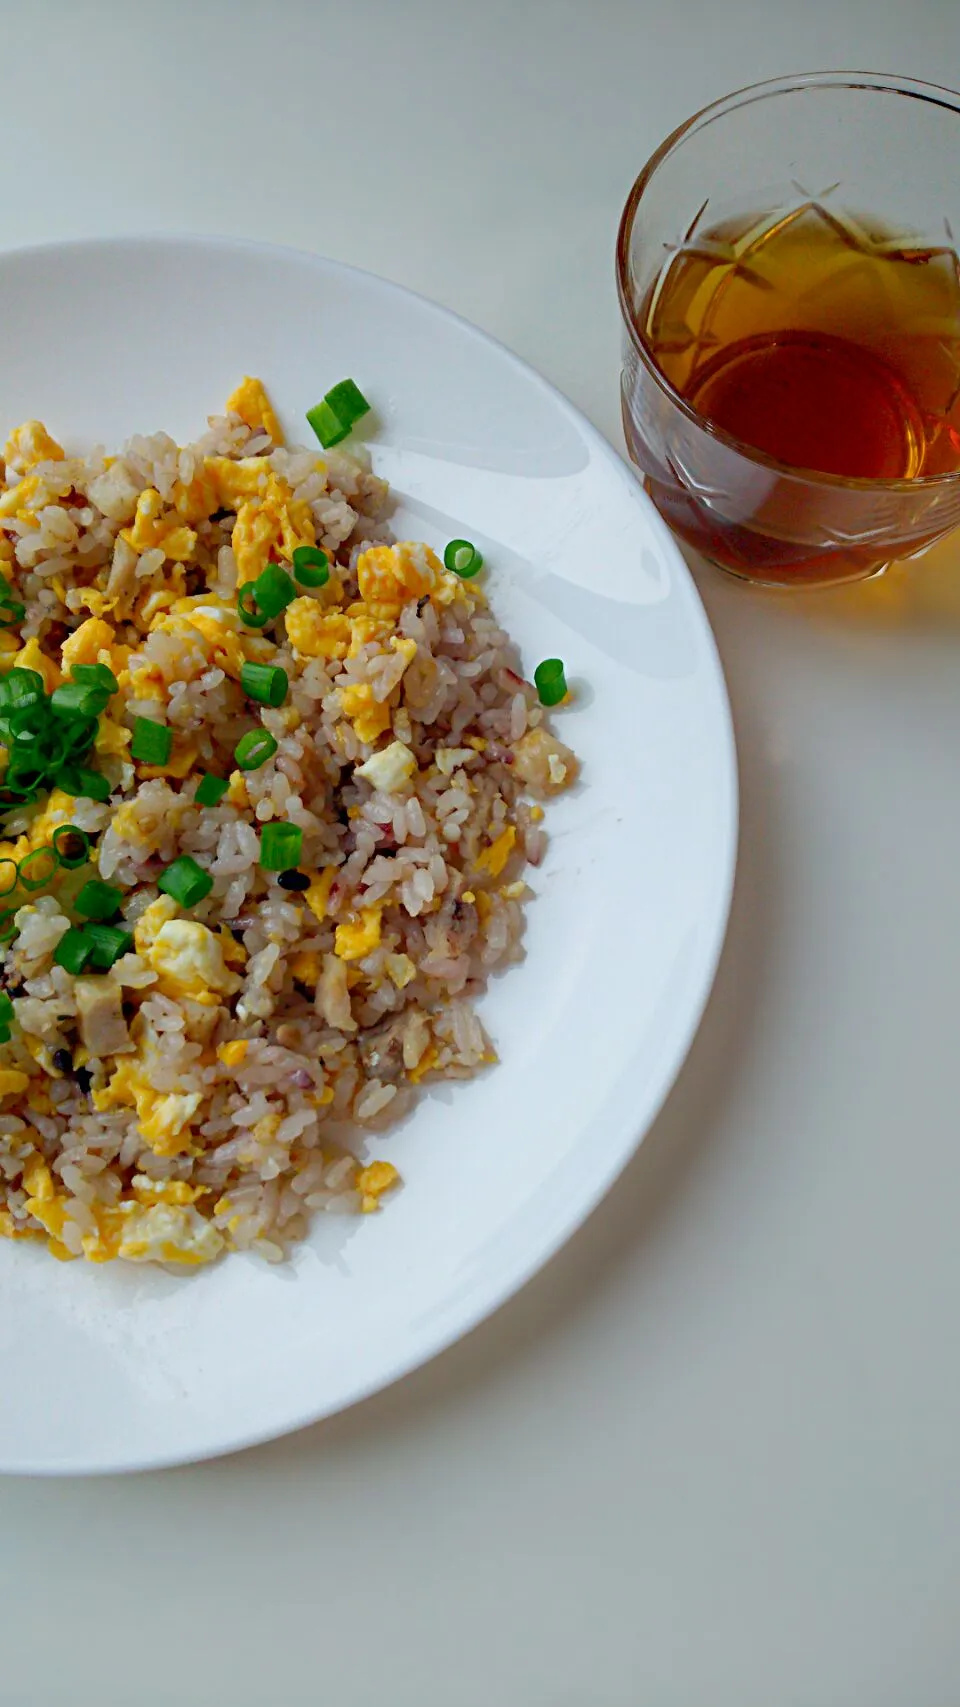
(870,161)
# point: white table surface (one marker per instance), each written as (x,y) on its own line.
(710,1455)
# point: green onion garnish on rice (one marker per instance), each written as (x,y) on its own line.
(95,676)
(37,868)
(73,951)
(280,846)
(311,566)
(72,845)
(247,607)
(11,610)
(82,784)
(550,681)
(20,687)
(6,1008)
(254,749)
(96,900)
(106,943)
(274,590)
(266,683)
(347,402)
(210,790)
(463,558)
(337,413)
(152,742)
(185,881)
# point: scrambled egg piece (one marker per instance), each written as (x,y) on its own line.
(86,643)
(182,759)
(168,1233)
(494,858)
(30,657)
(231,1054)
(372,1182)
(315,632)
(305,966)
(16,500)
(209,617)
(318,894)
(389,575)
(272,524)
(390,769)
(251,403)
(153,529)
(359,935)
(188,959)
(164,1118)
(112,739)
(369,717)
(30,444)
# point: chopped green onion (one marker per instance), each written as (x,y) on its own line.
(96,900)
(82,784)
(8,882)
(8,924)
(77,736)
(72,845)
(551,683)
(210,791)
(22,776)
(73,951)
(247,607)
(273,590)
(254,749)
(185,881)
(4,1034)
(463,558)
(20,687)
(280,846)
(6,1007)
(152,742)
(327,424)
(347,402)
(95,676)
(77,699)
(11,610)
(106,944)
(38,867)
(266,683)
(311,566)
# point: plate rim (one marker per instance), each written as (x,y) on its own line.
(630,1134)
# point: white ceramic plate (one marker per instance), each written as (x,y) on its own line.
(120,1367)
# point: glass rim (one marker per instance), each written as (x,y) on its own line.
(876,82)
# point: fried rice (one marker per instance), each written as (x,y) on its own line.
(236,1069)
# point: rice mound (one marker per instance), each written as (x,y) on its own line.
(228,1076)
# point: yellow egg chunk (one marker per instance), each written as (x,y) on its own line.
(315,632)
(86,643)
(377,1178)
(369,717)
(153,530)
(494,857)
(14,501)
(392,574)
(30,444)
(318,894)
(359,935)
(232,1054)
(30,657)
(189,960)
(251,403)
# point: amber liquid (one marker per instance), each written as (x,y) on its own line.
(817,339)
